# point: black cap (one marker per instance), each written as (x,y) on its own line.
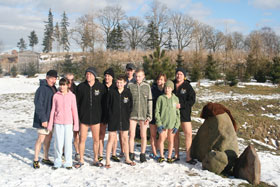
(130,66)
(109,71)
(52,73)
(92,70)
(182,70)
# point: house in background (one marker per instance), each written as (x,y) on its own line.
(25,58)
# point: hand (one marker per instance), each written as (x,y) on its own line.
(178,106)
(160,129)
(146,122)
(174,130)
(45,124)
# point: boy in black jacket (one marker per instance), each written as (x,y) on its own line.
(119,102)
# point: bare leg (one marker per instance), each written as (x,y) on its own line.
(124,135)
(76,141)
(115,146)
(177,144)
(132,129)
(38,144)
(162,137)
(111,140)
(47,143)
(187,127)
(83,138)
(154,144)
(95,129)
(143,133)
(170,142)
(120,139)
(101,138)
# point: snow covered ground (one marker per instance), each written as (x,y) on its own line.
(17,139)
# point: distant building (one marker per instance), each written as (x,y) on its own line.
(26,57)
(8,60)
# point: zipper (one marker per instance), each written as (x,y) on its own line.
(120,111)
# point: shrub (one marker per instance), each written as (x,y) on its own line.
(14,71)
(231,77)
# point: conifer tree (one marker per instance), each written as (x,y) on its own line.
(21,44)
(64,32)
(275,70)
(33,39)
(120,45)
(68,66)
(14,71)
(152,41)
(179,60)
(158,63)
(111,41)
(31,69)
(1,70)
(211,70)
(48,34)
(169,45)
(195,73)
(56,35)
(86,39)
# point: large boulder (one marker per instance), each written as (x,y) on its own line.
(216,133)
(248,166)
(215,161)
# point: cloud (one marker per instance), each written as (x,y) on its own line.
(199,12)
(265,4)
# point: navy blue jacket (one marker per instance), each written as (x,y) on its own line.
(155,93)
(43,103)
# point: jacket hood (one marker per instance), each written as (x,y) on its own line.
(43,82)
(60,93)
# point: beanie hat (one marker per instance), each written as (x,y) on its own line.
(169,84)
(109,71)
(130,66)
(92,70)
(52,73)
(182,70)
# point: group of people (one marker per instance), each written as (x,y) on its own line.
(118,105)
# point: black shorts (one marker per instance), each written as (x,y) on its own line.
(185,115)
(117,127)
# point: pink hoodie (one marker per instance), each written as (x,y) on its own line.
(64,110)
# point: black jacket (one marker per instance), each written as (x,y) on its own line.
(119,109)
(186,95)
(73,88)
(155,93)
(89,102)
(43,103)
(104,118)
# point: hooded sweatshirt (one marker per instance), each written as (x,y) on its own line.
(64,110)
(43,103)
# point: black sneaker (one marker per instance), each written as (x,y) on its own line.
(69,168)
(47,162)
(192,162)
(170,160)
(100,158)
(36,164)
(161,159)
(143,157)
(115,158)
(131,156)
(54,168)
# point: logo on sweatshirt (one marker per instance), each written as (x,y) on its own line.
(96,92)
(183,91)
(125,99)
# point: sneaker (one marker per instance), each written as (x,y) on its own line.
(47,162)
(100,158)
(69,168)
(121,154)
(161,159)
(54,168)
(131,156)
(115,158)
(36,164)
(77,157)
(192,162)
(153,156)
(175,159)
(143,157)
(170,160)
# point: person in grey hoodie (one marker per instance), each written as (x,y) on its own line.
(43,106)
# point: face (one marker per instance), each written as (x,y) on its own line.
(180,76)
(140,77)
(120,84)
(63,88)
(161,81)
(70,78)
(129,73)
(108,78)
(168,90)
(90,77)
(51,81)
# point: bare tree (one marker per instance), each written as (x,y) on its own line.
(254,44)
(1,46)
(86,33)
(237,40)
(134,31)
(270,41)
(214,40)
(199,34)
(109,17)
(183,27)
(159,15)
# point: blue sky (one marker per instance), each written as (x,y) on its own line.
(19,18)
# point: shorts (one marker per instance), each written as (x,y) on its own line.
(185,115)
(43,131)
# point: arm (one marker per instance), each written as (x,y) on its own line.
(50,124)
(75,113)
(150,106)
(157,112)
(39,105)
(178,121)
(190,96)
(130,102)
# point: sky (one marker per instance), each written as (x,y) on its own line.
(19,18)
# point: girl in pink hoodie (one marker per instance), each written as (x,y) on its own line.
(63,115)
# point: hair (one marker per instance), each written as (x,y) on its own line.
(121,77)
(161,75)
(138,70)
(63,81)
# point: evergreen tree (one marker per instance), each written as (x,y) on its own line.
(56,35)
(195,73)
(68,66)
(211,70)
(33,39)
(179,60)
(21,44)
(251,65)
(64,32)
(14,71)
(275,70)
(231,77)
(48,34)
(31,69)
(111,41)
(86,39)
(158,63)
(115,39)
(169,45)
(1,70)
(152,41)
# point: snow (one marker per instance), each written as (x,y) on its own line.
(17,139)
